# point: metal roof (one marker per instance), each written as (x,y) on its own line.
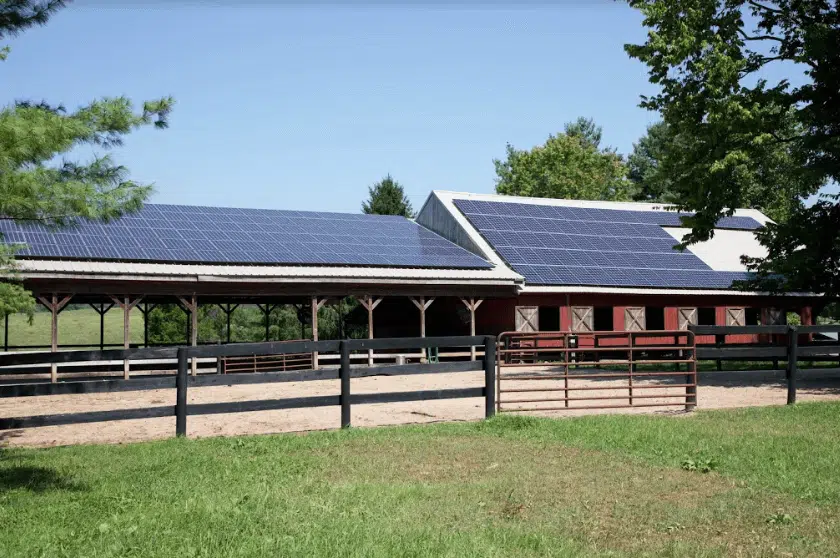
(217,235)
(579,245)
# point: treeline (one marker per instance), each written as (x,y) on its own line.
(168,323)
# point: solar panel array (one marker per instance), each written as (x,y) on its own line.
(562,245)
(190,234)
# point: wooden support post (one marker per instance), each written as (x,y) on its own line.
(720,341)
(101,310)
(55,307)
(127,305)
(422,304)
(472,305)
(316,305)
(192,307)
(370,304)
(344,375)
(145,309)
(792,349)
(228,310)
(489,376)
(227,324)
(181,395)
(267,308)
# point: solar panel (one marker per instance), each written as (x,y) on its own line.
(562,245)
(191,234)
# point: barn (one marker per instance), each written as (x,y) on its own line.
(609,266)
(468,263)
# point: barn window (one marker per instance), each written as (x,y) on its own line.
(581,318)
(706,316)
(773,316)
(686,317)
(634,319)
(603,318)
(735,317)
(549,318)
(655,317)
(753,316)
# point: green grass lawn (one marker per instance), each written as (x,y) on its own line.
(76,326)
(512,486)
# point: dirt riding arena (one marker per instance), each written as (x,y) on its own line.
(715,391)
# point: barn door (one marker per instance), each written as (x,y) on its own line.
(582,318)
(634,319)
(773,316)
(527,318)
(686,317)
(735,317)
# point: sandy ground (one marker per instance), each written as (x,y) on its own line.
(715,391)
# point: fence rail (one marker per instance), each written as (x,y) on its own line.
(566,371)
(182,381)
(797,346)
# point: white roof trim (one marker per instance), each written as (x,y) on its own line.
(447,198)
(582,289)
(34,269)
(628,206)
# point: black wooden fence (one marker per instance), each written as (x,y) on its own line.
(182,380)
(797,344)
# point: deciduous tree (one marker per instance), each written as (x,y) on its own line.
(735,128)
(569,165)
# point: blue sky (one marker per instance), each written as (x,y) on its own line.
(281,105)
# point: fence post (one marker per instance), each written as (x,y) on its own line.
(792,349)
(489,376)
(344,375)
(181,395)
(691,379)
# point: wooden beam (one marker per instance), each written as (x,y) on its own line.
(228,310)
(370,304)
(472,305)
(316,305)
(127,305)
(191,305)
(422,304)
(102,309)
(54,306)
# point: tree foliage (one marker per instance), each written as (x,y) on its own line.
(168,323)
(36,184)
(773,188)
(644,166)
(387,197)
(735,131)
(569,165)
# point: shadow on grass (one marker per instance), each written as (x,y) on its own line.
(14,476)
(35,479)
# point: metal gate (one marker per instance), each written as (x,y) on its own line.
(560,371)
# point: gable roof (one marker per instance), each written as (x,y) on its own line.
(579,245)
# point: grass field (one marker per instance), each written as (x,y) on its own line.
(76,326)
(512,486)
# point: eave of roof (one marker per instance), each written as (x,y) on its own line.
(94,270)
(572,289)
